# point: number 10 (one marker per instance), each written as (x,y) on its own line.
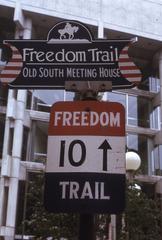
(74,162)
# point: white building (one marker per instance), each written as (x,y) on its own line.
(24,115)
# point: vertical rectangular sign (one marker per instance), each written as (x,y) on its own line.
(85,169)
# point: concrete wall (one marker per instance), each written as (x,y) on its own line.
(138,17)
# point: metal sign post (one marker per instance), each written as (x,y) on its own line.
(85,170)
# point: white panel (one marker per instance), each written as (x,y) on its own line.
(6,166)
(11,108)
(18,15)
(94,156)
(12,202)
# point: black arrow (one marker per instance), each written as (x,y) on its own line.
(105,146)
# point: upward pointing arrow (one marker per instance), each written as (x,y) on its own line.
(105,146)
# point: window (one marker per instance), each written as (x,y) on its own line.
(39,146)
(154,84)
(3,96)
(5,54)
(157,160)
(143,112)
(132,110)
(117,97)
(43,99)
(132,142)
(138,111)
(10,142)
(2,62)
(29,100)
(25,144)
(139,144)
(69,96)
(151,84)
(155,118)
(5,203)
(49,96)
(2,127)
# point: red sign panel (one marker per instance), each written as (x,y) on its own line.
(87,118)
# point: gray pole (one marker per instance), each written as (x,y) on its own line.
(87,227)
(87,222)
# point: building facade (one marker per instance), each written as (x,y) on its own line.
(24,114)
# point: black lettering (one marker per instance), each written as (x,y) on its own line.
(83,153)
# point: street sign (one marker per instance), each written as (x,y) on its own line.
(69,54)
(85,170)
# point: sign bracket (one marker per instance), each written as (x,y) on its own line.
(88,89)
(82,86)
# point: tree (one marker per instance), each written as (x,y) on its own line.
(39,222)
(142,219)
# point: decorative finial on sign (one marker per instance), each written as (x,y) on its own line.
(68,31)
(134,39)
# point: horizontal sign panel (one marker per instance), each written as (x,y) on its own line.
(86,154)
(69,54)
(84,192)
(87,118)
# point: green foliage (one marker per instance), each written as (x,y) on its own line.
(102,225)
(141,220)
(42,224)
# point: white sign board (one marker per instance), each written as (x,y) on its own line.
(87,154)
